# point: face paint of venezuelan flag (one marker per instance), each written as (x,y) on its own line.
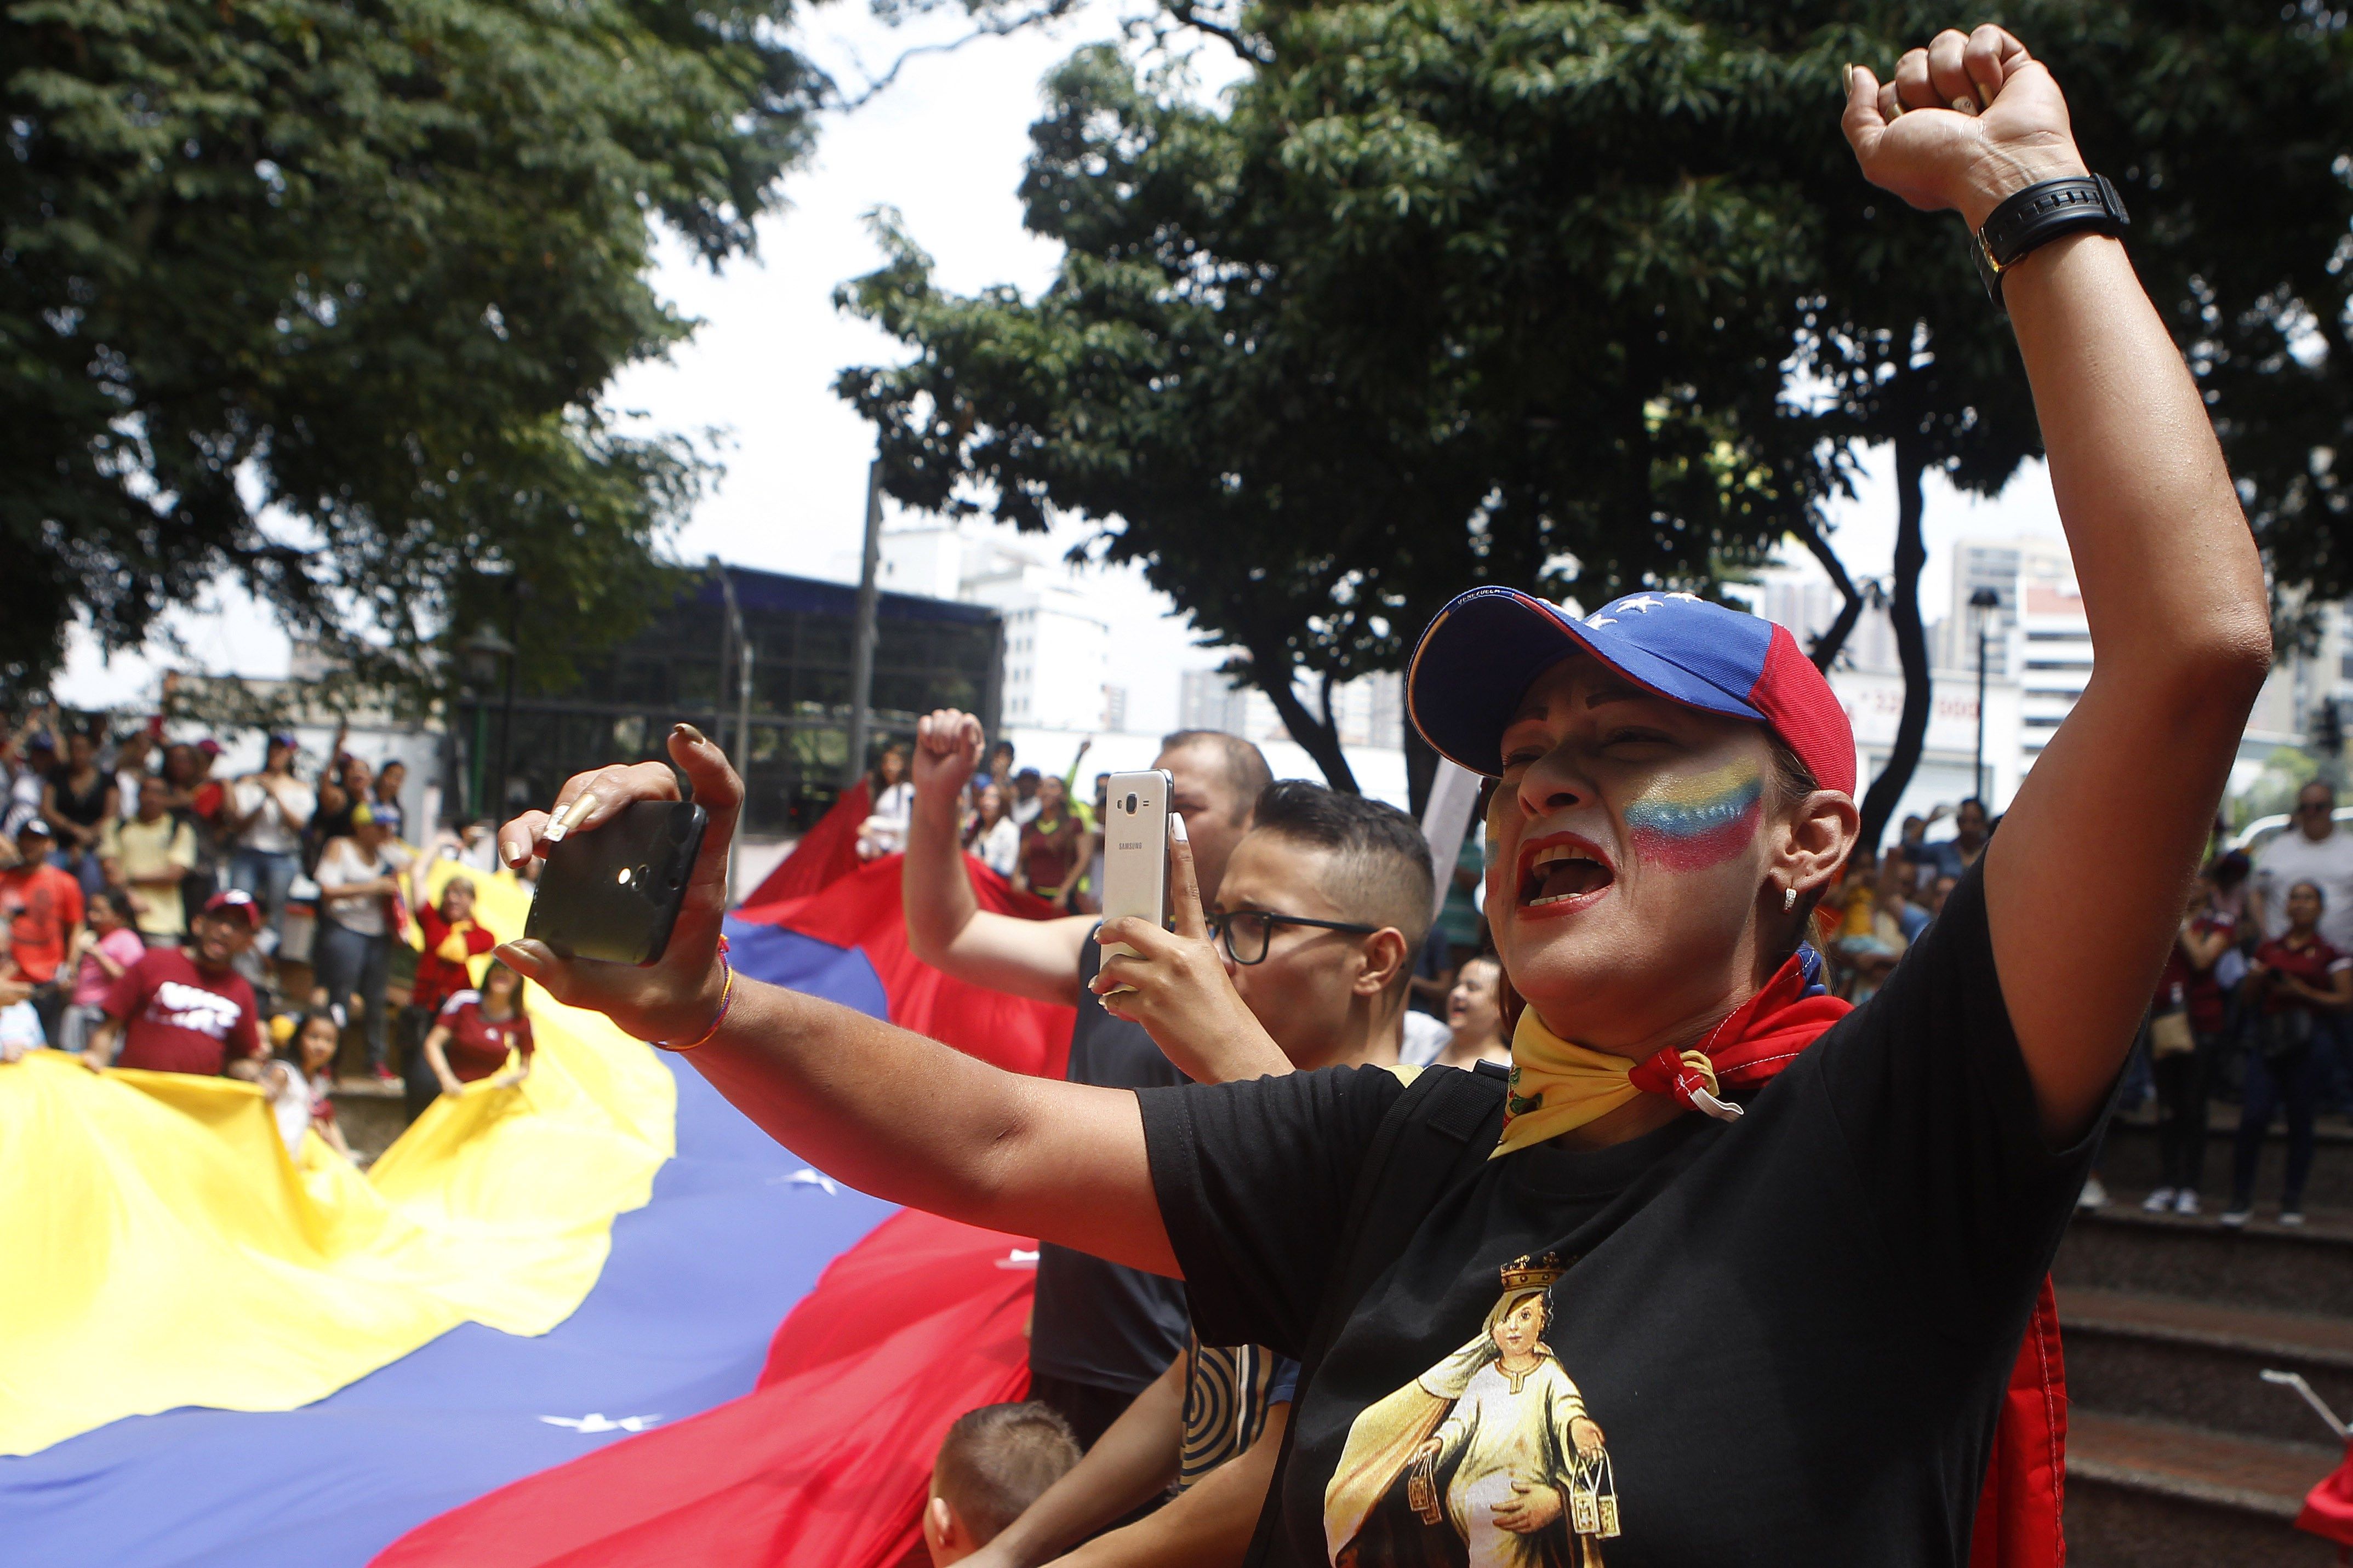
(1687,823)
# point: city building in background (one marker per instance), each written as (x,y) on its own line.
(1868,678)
(2023,595)
(1063,685)
(1057,660)
(929,653)
(1371,713)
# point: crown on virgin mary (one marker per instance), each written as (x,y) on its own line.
(1524,1273)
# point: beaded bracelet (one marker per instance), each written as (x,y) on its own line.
(726,1000)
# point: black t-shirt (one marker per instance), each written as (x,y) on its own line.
(1781,1340)
(1096,1323)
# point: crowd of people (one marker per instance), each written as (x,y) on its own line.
(1714,1219)
(1031,828)
(1716,1205)
(145,918)
(2254,1006)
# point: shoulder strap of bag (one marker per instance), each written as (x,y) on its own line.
(1444,1112)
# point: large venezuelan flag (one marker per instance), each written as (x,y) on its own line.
(217,1355)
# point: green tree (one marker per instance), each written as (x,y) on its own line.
(1324,360)
(324,296)
(1587,296)
(2229,134)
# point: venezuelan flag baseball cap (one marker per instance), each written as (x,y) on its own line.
(1479,654)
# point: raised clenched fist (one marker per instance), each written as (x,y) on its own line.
(947,750)
(1967,120)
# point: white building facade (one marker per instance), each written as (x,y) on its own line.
(1056,650)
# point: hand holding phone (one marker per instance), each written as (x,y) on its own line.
(1175,984)
(614,894)
(1135,831)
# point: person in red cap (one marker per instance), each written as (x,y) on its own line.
(186,1009)
(40,915)
(1722,1271)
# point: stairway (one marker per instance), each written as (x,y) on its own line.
(371,1114)
(2177,1452)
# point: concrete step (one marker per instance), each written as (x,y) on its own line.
(371,1114)
(2265,1265)
(2130,1158)
(2155,1494)
(2199,1363)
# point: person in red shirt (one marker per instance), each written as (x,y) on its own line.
(186,1009)
(452,937)
(476,1029)
(43,908)
(2187,1023)
(2300,980)
(1049,846)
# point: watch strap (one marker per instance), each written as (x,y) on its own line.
(2042,212)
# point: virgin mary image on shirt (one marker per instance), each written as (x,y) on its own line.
(1487,1460)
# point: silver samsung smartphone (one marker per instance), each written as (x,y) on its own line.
(1135,849)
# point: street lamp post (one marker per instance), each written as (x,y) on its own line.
(1984,601)
(485,651)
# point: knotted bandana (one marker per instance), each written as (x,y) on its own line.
(1557,1085)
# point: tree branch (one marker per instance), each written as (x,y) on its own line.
(1827,646)
(1251,50)
(995,27)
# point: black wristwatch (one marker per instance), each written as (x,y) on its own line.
(2040,213)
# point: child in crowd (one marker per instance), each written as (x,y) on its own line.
(99,953)
(993,1463)
(475,1032)
(20,1026)
(300,1082)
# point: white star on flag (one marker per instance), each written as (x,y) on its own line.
(595,1421)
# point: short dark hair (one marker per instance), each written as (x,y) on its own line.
(999,1459)
(1247,774)
(1384,875)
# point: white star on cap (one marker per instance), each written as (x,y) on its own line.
(1601,621)
(1644,603)
(1689,598)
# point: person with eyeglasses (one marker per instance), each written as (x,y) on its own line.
(1101,1334)
(2313,849)
(1302,962)
(1725,1272)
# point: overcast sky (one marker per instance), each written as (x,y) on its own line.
(945,145)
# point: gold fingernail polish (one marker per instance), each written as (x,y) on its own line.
(570,817)
(1849,81)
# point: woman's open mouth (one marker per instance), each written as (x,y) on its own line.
(1560,869)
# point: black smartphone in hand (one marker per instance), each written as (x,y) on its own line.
(614,893)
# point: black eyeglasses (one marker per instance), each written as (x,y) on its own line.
(1246,933)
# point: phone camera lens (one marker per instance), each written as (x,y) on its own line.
(1131,804)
